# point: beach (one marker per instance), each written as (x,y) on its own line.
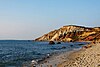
(54,60)
(85,57)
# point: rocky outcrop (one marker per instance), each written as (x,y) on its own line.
(72,33)
(58,42)
(51,42)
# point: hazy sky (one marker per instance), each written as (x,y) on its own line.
(29,19)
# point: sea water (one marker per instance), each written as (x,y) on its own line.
(17,53)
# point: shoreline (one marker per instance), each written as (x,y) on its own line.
(75,58)
(55,59)
(86,57)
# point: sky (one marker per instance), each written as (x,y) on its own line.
(29,19)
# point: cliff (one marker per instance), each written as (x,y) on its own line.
(72,33)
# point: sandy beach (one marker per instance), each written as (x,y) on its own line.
(85,57)
(54,60)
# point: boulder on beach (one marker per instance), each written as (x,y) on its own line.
(80,44)
(71,45)
(48,55)
(87,46)
(58,42)
(63,47)
(51,42)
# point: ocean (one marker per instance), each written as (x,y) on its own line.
(20,53)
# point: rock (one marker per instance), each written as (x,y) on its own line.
(98,54)
(63,47)
(71,45)
(80,44)
(34,63)
(51,42)
(98,65)
(48,55)
(58,42)
(45,61)
(87,46)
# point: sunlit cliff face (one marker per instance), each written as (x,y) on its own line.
(73,33)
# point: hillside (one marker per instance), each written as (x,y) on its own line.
(72,33)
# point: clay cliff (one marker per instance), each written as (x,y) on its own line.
(72,33)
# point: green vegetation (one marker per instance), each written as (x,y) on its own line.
(75,37)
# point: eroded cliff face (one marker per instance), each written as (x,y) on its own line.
(72,33)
